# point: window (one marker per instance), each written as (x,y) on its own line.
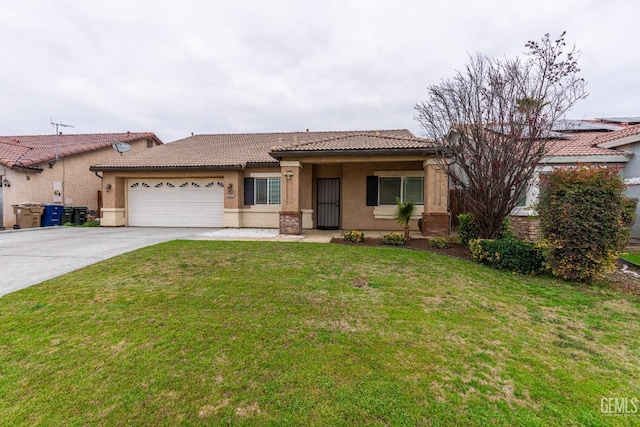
(149,143)
(385,190)
(262,191)
(522,198)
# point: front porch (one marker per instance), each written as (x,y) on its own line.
(357,193)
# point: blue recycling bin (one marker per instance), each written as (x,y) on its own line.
(52,215)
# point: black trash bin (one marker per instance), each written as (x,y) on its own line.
(67,215)
(79,215)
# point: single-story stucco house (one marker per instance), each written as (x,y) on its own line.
(54,169)
(291,181)
(604,141)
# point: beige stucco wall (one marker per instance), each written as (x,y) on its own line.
(351,170)
(354,212)
(80,186)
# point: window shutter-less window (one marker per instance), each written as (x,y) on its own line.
(372,191)
(389,190)
(261,191)
(248,191)
(414,190)
(274,191)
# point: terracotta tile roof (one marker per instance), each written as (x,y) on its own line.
(234,150)
(580,144)
(618,134)
(32,150)
(356,142)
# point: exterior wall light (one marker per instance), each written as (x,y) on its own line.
(288,174)
(6,183)
(107,188)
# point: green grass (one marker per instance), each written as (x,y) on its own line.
(260,333)
(633,257)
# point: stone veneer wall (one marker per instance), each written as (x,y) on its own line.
(291,223)
(526,227)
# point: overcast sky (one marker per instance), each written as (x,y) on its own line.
(176,67)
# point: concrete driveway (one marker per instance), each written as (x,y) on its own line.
(31,256)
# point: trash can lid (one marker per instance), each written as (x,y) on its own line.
(29,205)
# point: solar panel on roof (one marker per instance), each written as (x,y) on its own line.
(583,126)
(630,120)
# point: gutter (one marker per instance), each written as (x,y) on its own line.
(614,158)
(31,169)
(162,168)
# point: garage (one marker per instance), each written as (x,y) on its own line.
(175,202)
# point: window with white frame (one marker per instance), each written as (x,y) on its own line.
(262,191)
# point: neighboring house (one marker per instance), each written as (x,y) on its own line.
(291,181)
(606,141)
(52,169)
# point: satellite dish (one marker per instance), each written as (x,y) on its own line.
(121,147)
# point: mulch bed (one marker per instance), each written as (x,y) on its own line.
(455,249)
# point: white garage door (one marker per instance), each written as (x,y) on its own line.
(176,203)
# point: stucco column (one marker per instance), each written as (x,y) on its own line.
(436,217)
(290,212)
(113,197)
(234,188)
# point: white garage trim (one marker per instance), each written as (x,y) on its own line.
(184,202)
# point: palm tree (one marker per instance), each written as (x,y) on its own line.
(403,214)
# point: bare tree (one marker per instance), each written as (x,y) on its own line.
(492,123)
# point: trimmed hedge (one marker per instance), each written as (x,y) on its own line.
(508,254)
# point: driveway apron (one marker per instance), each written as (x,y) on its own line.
(31,256)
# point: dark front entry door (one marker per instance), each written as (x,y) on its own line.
(329,203)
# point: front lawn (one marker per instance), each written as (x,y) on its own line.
(255,333)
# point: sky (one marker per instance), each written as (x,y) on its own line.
(210,66)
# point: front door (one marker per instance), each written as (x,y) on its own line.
(328,203)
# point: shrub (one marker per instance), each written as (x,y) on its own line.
(439,242)
(585,220)
(92,223)
(354,236)
(505,231)
(508,254)
(403,214)
(395,239)
(467,229)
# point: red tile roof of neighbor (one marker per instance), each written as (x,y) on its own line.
(619,134)
(580,144)
(240,150)
(32,150)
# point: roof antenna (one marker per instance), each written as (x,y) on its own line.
(56,125)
